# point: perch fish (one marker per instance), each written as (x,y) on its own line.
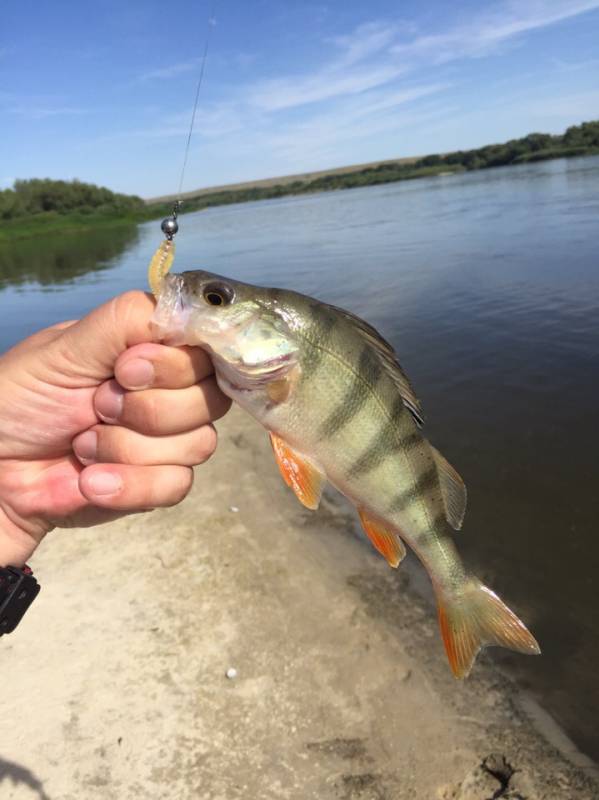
(339,408)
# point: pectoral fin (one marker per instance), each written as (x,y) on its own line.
(278,391)
(299,473)
(384,539)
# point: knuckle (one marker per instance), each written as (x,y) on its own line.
(112,445)
(147,412)
(182,487)
(170,367)
(127,303)
(205,445)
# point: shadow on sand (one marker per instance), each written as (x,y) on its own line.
(9,771)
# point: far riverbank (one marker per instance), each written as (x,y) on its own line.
(38,206)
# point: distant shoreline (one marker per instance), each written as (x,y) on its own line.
(43,224)
(281,180)
(113,209)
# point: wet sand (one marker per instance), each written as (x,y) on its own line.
(115,684)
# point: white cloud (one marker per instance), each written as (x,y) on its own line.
(323,139)
(38,107)
(360,63)
(373,85)
(43,112)
(377,53)
(284,93)
(492,28)
(170,71)
(366,40)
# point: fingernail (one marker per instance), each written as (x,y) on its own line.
(137,373)
(86,446)
(109,401)
(104,483)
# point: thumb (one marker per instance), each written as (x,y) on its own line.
(85,353)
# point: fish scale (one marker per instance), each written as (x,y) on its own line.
(339,407)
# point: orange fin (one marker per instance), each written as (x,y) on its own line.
(477,619)
(299,473)
(384,539)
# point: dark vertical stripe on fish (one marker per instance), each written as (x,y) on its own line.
(369,371)
(314,355)
(411,441)
(428,480)
(383,444)
(440,524)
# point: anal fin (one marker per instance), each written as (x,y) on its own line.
(383,538)
(299,473)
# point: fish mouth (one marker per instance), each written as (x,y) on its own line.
(174,309)
(171,315)
(174,323)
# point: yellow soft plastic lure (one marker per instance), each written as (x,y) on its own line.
(161,262)
(163,258)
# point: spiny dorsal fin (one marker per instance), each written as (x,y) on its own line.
(453,490)
(388,359)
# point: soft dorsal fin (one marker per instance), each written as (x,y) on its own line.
(383,538)
(299,473)
(453,490)
(388,359)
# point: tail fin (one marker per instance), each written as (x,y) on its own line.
(478,618)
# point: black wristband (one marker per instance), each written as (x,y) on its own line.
(18,590)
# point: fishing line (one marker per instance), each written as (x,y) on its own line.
(211,25)
(163,258)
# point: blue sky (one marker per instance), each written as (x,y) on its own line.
(102,90)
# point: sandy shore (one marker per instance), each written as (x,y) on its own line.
(115,686)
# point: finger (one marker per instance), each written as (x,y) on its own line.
(160,367)
(88,350)
(110,444)
(61,326)
(124,487)
(161,412)
(43,337)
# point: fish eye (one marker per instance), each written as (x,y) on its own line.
(218,294)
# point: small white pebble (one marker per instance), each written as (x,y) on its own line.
(231,673)
(234,509)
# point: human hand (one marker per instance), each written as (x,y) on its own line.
(97,421)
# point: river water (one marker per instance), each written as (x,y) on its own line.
(487,284)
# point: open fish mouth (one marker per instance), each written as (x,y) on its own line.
(179,319)
(172,312)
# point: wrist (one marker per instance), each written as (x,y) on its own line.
(11,554)
(16,546)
